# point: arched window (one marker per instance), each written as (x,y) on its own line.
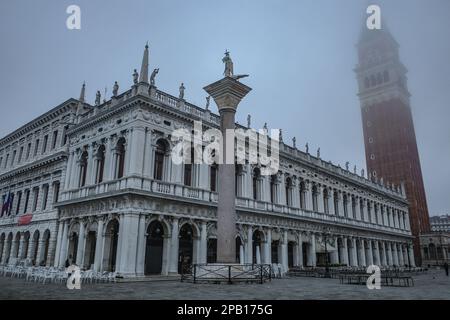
(288,189)
(83,169)
(336,203)
(345,200)
(256,188)
(353,207)
(160,153)
(100,159)
(273,180)
(120,158)
(302,194)
(326,209)
(314,198)
(188,169)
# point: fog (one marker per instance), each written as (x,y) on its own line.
(300,57)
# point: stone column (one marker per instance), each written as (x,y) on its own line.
(249,249)
(400,255)
(357,208)
(334,255)
(203,242)
(227,93)
(377,254)
(344,255)
(384,256)
(128,242)
(64,244)
(141,246)
(312,252)
(58,244)
(363,261)
(174,243)
(369,255)
(284,251)
(308,195)
(136,150)
(81,244)
(405,255)
(99,246)
(268,255)
(300,250)
(390,255)
(354,256)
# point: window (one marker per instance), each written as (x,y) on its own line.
(370,140)
(120,158)
(188,168)
(100,159)
(315,198)
(54,139)
(55,191)
(20,155)
(44,145)
(27,199)
(345,200)
(272,188)
(255,183)
(83,169)
(372,157)
(19,200)
(302,195)
(35,198)
(36,147)
(288,188)
(325,201)
(45,197)
(28,151)
(13,157)
(336,203)
(6,161)
(160,153)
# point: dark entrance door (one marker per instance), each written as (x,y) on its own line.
(305,253)
(154,248)
(186,245)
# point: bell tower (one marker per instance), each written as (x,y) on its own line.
(389,137)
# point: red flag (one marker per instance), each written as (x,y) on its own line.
(25,219)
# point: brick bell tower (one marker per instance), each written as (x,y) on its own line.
(389,137)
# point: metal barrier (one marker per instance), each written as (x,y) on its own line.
(229,273)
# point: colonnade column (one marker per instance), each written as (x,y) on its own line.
(63,254)
(203,242)
(411,256)
(284,251)
(99,246)
(300,250)
(174,243)
(345,259)
(249,245)
(354,259)
(268,255)
(81,244)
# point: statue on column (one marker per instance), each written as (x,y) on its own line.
(318,152)
(135,76)
(307,148)
(207,102)
(115,89)
(97,98)
(153,75)
(181,96)
(249,119)
(294,143)
(347,165)
(228,65)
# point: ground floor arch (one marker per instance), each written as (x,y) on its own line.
(154,248)
(111,245)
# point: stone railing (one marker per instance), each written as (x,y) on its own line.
(180,191)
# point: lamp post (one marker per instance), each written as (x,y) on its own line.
(325,234)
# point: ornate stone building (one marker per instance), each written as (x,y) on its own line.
(107,195)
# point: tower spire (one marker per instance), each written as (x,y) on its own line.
(82,93)
(144,67)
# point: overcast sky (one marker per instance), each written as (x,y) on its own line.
(300,56)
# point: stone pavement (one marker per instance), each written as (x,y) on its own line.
(431,285)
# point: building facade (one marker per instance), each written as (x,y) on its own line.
(389,137)
(440,223)
(122,205)
(435,247)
